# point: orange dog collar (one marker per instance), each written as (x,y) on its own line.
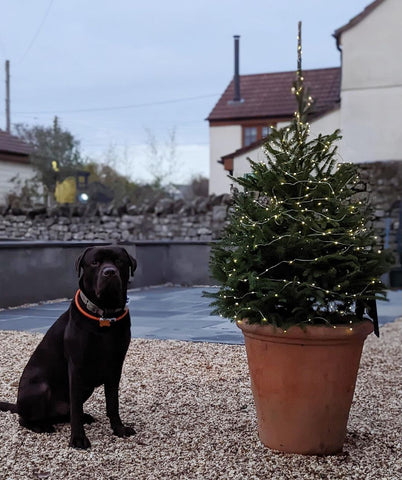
(103,322)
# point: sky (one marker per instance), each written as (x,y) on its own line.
(118,73)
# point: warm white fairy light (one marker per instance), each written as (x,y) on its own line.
(334,294)
(277,211)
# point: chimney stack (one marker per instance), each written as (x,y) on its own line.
(236,78)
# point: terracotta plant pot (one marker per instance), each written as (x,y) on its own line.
(303,382)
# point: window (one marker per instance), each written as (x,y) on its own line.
(254,133)
(250,135)
(265,131)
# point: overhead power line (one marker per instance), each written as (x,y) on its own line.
(37,31)
(121,107)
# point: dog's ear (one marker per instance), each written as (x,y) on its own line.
(78,262)
(133,262)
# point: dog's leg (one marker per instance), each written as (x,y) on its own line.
(78,439)
(112,408)
(33,406)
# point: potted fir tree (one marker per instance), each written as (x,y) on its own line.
(299,267)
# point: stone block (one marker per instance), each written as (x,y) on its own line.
(219,213)
(127,218)
(110,225)
(125,235)
(379,213)
(204,231)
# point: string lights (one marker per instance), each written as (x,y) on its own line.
(297,248)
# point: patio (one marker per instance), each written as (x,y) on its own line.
(165,313)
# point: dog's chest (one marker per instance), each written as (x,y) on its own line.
(100,352)
(104,359)
(107,345)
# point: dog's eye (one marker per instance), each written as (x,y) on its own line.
(95,263)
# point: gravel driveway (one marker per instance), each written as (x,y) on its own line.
(193,411)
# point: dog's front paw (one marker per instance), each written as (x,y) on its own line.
(122,431)
(81,442)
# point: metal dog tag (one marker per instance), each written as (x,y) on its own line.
(104,322)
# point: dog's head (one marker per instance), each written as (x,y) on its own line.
(104,273)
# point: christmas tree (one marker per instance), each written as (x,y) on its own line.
(299,247)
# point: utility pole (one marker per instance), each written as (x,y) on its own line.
(8,96)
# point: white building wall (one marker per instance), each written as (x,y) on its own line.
(10,170)
(241,164)
(222,140)
(371,49)
(371,125)
(371,93)
(326,124)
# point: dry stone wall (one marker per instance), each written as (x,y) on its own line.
(198,220)
(384,187)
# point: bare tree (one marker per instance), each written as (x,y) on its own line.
(161,158)
(199,186)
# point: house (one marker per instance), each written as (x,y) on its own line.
(14,164)
(239,127)
(363,98)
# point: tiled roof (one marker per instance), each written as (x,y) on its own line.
(268,95)
(358,18)
(11,144)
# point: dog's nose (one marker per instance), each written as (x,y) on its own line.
(109,272)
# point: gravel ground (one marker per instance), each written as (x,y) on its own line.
(193,411)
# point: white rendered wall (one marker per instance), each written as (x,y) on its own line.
(371,125)
(371,93)
(326,124)
(222,140)
(9,170)
(241,164)
(371,49)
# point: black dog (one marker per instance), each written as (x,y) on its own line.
(83,349)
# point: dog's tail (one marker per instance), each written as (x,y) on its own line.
(8,407)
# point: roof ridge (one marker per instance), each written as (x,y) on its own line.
(289,71)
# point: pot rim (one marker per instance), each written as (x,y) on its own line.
(355,332)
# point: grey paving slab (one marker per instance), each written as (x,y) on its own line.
(166,313)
